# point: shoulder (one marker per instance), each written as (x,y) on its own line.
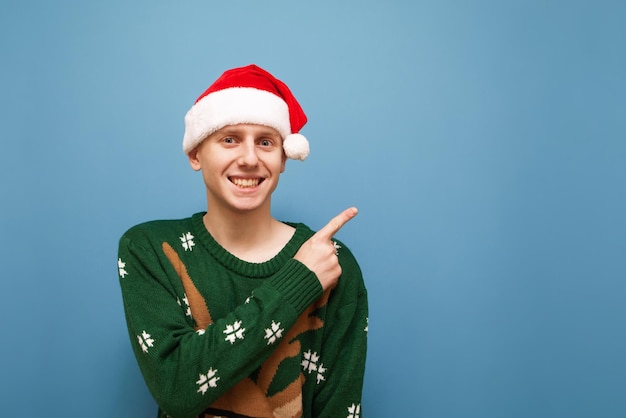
(157,230)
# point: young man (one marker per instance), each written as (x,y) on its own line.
(232,313)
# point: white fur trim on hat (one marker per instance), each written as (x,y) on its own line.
(296,147)
(233,106)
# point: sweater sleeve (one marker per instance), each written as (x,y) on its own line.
(187,370)
(345,345)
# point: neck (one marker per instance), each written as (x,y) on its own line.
(236,226)
(253,236)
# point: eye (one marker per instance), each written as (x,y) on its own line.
(265,143)
(228,140)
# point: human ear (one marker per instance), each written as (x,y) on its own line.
(283,163)
(194,161)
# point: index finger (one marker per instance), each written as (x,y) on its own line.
(335,224)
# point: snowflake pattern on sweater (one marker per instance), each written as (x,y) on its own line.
(208,380)
(273,333)
(234,332)
(120,266)
(354,411)
(145,341)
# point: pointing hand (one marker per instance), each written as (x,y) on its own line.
(319,253)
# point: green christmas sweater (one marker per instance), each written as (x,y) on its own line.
(215,336)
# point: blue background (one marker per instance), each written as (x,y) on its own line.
(483,141)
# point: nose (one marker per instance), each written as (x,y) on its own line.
(249,155)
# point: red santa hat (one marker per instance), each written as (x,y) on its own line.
(247,95)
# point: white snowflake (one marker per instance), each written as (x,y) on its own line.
(354,411)
(273,333)
(120,267)
(186,300)
(145,341)
(188,308)
(201,331)
(234,332)
(187,241)
(367,320)
(249,298)
(337,247)
(320,373)
(207,380)
(309,364)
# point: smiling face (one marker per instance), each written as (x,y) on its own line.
(240,165)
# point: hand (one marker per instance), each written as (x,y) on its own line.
(319,254)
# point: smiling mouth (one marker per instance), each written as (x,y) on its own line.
(246,183)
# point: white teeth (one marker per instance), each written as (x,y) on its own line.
(246,182)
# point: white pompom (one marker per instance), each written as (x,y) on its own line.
(296,147)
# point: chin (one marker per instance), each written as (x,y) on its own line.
(247,207)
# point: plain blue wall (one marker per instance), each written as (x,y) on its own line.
(483,141)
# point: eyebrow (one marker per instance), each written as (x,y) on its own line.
(233,131)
